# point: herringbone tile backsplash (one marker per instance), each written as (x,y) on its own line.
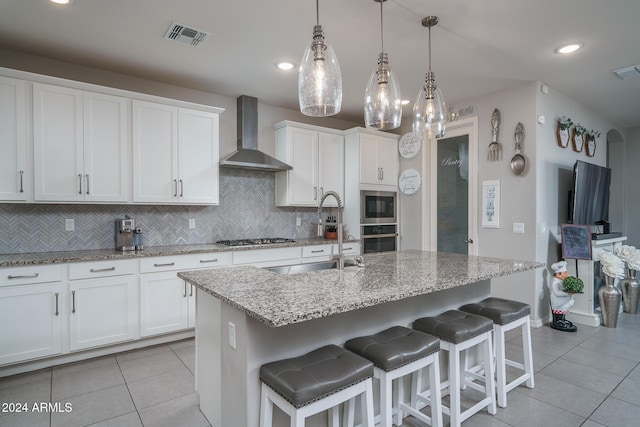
(247,210)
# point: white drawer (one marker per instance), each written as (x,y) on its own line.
(184,262)
(258,256)
(30,274)
(351,248)
(316,250)
(93,269)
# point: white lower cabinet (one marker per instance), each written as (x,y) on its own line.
(30,316)
(164,303)
(102,311)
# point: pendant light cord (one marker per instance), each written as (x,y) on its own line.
(381,25)
(317,12)
(429,48)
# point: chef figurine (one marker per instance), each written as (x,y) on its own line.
(561,301)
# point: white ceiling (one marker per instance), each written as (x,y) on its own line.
(479,46)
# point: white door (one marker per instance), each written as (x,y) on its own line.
(304,189)
(331,165)
(388,161)
(106,148)
(369,163)
(155,152)
(453,166)
(13,144)
(57,143)
(102,311)
(33,332)
(163,303)
(198,157)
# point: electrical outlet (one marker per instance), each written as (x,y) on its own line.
(298,222)
(69,224)
(518,227)
(192,223)
(232,335)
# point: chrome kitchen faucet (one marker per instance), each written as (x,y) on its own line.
(340,256)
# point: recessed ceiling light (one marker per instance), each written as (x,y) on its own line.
(62,1)
(405,102)
(568,48)
(285,65)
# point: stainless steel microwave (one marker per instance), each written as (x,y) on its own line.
(378,207)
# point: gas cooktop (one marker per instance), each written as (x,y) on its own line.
(249,242)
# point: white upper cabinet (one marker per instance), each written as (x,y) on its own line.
(13,143)
(317,158)
(175,155)
(80,145)
(377,154)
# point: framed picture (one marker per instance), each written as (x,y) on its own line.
(491,204)
(590,146)
(563,135)
(576,241)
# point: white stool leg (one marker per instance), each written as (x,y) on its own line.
(454,386)
(528,353)
(436,395)
(334,416)
(266,408)
(501,366)
(366,404)
(488,374)
(416,387)
(297,419)
(400,398)
(349,412)
(386,386)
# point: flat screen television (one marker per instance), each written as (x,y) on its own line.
(589,199)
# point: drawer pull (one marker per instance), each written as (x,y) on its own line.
(100,270)
(347,249)
(168,264)
(24,276)
(318,251)
(73,301)
(57,294)
(191,291)
(185,290)
(204,261)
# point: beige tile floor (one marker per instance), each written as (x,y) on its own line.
(589,378)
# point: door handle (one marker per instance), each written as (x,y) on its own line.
(381,174)
(21,181)
(185,290)
(57,294)
(87,177)
(315,193)
(80,179)
(175,188)
(73,301)
(181,188)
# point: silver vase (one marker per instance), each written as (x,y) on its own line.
(609,297)
(630,292)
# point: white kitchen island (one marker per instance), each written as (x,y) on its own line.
(276,316)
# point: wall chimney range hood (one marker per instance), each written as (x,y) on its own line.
(248,156)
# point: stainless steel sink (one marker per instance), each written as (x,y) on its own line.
(303,268)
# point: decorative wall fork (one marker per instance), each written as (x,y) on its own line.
(495,151)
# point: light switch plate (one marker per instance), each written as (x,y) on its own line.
(69,224)
(232,335)
(192,223)
(518,227)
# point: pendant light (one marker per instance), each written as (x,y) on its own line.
(319,78)
(382,101)
(429,111)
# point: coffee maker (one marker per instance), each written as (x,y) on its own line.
(127,235)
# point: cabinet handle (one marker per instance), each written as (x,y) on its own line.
(321,191)
(315,193)
(318,251)
(191,291)
(175,188)
(168,264)
(181,188)
(57,303)
(100,270)
(381,174)
(87,177)
(23,276)
(73,301)
(204,261)
(347,249)
(80,179)
(379,169)
(185,289)
(21,181)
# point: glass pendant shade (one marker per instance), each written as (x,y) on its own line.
(319,79)
(429,114)
(382,100)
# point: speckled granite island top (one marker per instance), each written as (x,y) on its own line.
(279,300)
(37,258)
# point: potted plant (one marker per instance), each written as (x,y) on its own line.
(578,137)
(591,137)
(573,285)
(562,131)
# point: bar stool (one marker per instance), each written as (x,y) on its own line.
(507,315)
(395,353)
(315,382)
(459,331)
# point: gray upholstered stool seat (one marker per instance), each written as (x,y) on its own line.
(397,352)
(315,382)
(394,347)
(454,326)
(499,310)
(506,315)
(459,331)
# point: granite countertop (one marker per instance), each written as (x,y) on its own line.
(36,258)
(279,300)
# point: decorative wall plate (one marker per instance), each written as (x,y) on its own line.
(578,142)
(409,145)
(563,136)
(409,182)
(590,146)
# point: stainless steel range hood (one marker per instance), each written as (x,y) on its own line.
(248,156)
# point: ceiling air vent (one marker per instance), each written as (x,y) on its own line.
(628,72)
(185,35)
